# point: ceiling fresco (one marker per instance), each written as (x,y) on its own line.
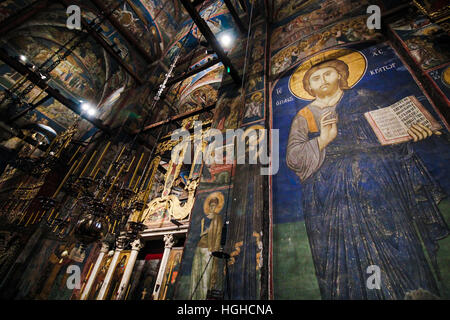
(217,17)
(167,15)
(134,17)
(113,37)
(10,7)
(91,74)
(202,96)
(286,10)
(181,94)
(50,113)
(88,74)
(71,75)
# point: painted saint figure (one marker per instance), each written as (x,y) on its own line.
(364,204)
(253,108)
(204,266)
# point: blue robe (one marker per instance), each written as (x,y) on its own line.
(366,204)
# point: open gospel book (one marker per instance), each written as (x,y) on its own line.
(391,123)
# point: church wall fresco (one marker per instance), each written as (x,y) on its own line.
(227,111)
(58,113)
(198,90)
(119,269)
(45,275)
(114,38)
(42,115)
(217,176)
(320,238)
(51,113)
(314,19)
(230,192)
(131,108)
(341,33)
(100,277)
(70,74)
(321,241)
(203,237)
(335,210)
(92,61)
(171,274)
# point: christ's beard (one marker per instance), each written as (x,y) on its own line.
(329,91)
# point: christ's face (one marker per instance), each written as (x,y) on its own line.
(324,82)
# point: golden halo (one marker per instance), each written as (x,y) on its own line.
(219,196)
(256,95)
(252,144)
(356,61)
(446,76)
(250,129)
(430,30)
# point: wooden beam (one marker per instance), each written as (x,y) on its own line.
(180,117)
(30,107)
(235,16)
(191,132)
(209,36)
(196,70)
(191,55)
(243,4)
(197,2)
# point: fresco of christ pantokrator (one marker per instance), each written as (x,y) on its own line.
(361,201)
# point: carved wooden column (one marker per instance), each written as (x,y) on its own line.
(135,247)
(110,272)
(169,242)
(103,251)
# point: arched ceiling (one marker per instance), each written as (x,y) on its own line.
(286,10)
(136,35)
